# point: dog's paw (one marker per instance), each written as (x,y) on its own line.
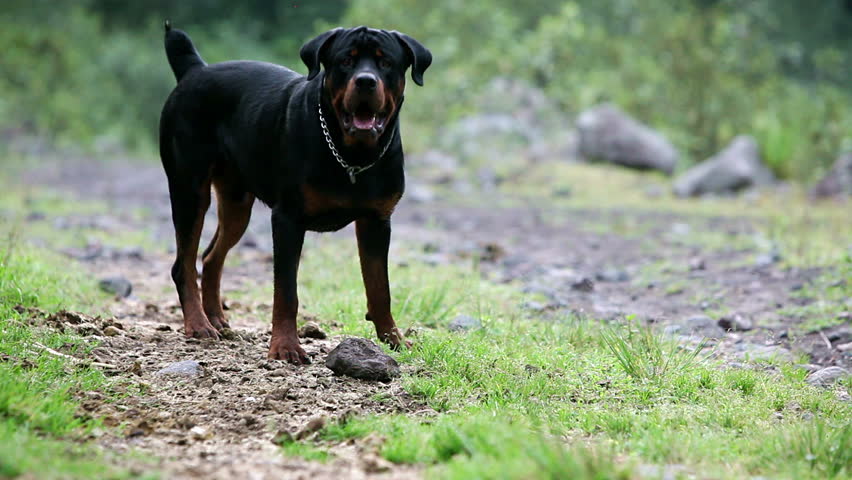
(395,339)
(288,350)
(219,323)
(201,330)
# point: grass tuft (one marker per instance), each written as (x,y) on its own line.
(645,355)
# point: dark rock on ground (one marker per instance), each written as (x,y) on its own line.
(826,377)
(312,330)
(112,331)
(186,368)
(583,284)
(736,167)
(736,323)
(87,329)
(838,180)
(118,286)
(312,426)
(463,323)
(609,135)
(361,358)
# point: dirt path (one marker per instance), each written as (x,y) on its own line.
(219,422)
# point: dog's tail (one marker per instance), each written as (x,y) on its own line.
(182,54)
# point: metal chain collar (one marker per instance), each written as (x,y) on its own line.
(352,170)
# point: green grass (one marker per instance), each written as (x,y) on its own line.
(645,355)
(41,433)
(533,398)
(829,296)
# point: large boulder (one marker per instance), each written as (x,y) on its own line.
(736,167)
(609,135)
(838,180)
(514,121)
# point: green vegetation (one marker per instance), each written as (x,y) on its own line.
(701,71)
(827,294)
(40,431)
(568,398)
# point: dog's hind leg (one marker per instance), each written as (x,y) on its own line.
(234,209)
(189,191)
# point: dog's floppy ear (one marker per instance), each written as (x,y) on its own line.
(312,52)
(419,56)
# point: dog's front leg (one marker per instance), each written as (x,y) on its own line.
(288,234)
(373,244)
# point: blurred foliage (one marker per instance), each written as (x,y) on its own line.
(94,71)
(702,71)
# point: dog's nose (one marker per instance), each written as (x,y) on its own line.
(366,82)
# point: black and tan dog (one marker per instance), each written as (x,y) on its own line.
(322,151)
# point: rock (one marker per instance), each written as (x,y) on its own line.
(118,286)
(827,377)
(361,358)
(612,275)
(809,367)
(312,426)
(583,284)
(514,121)
(768,259)
(840,333)
(609,135)
(736,323)
(696,264)
(704,326)
(463,323)
(87,329)
(200,433)
(112,331)
(229,334)
(736,167)
(186,368)
(312,330)
(838,180)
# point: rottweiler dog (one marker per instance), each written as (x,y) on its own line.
(321,150)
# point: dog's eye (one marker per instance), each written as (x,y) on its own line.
(384,63)
(347,61)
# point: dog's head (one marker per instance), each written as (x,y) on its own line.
(365,76)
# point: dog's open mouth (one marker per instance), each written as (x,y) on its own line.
(364,120)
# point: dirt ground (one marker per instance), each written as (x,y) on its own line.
(220,422)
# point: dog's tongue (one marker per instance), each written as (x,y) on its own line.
(364,121)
